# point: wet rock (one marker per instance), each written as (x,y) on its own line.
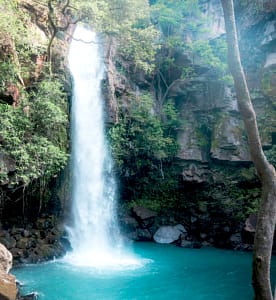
(250,223)
(143,213)
(7,281)
(30,245)
(51,238)
(7,163)
(168,234)
(7,286)
(33,258)
(144,216)
(226,229)
(129,221)
(45,251)
(8,241)
(196,174)
(203,236)
(193,219)
(16,231)
(5,259)
(189,243)
(196,245)
(42,224)
(186,244)
(213,13)
(26,233)
(270,60)
(235,240)
(17,253)
(65,243)
(143,235)
(249,229)
(189,149)
(23,243)
(269,33)
(131,235)
(31,296)
(228,142)
(206,244)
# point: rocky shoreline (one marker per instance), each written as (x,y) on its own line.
(143,224)
(35,243)
(46,239)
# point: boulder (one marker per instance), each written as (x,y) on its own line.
(45,251)
(250,223)
(235,240)
(5,259)
(31,296)
(143,235)
(7,282)
(203,235)
(8,241)
(7,286)
(186,244)
(168,234)
(143,213)
(143,216)
(23,243)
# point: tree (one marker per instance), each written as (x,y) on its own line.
(267,211)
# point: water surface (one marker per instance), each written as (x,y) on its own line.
(166,272)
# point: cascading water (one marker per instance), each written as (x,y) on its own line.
(94,234)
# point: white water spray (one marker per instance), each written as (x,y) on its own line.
(94,235)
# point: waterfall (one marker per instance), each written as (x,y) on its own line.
(94,233)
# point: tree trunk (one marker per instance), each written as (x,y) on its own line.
(267,211)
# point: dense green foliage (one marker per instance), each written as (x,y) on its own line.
(144,146)
(128,22)
(168,40)
(144,141)
(34,133)
(185,30)
(33,130)
(143,132)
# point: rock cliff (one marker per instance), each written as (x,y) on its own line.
(209,186)
(217,186)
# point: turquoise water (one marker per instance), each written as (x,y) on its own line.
(168,272)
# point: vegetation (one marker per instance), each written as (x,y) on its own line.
(149,147)
(127,21)
(33,116)
(184,46)
(167,43)
(34,133)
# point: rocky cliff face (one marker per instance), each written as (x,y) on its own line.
(216,185)
(25,199)
(32,67)
(216,176)
(213,132)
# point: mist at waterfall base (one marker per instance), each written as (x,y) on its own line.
(94,234)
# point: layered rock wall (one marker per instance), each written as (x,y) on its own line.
(218,187)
